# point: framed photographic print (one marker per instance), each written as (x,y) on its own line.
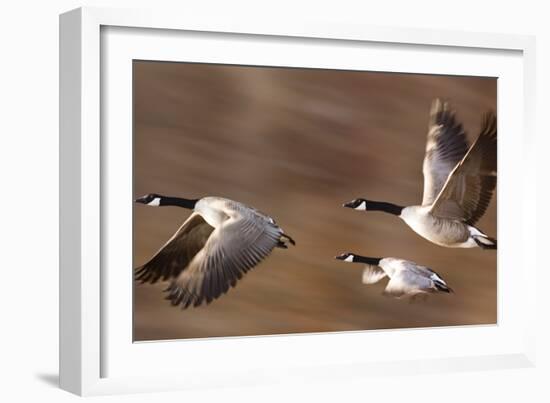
(264,201)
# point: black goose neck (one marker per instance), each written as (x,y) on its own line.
(178,201)
(384,206)
(374,261)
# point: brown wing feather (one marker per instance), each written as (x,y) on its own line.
(177,253)
(445,147)
(233,249)
(469,188)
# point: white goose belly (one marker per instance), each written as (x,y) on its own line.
(441,231)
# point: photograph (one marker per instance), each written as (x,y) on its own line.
(284,200)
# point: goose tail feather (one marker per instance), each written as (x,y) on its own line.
(485,242)
(440,286)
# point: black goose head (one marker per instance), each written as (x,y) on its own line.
(371,205)
(357,204)
(151,199)
(352,258)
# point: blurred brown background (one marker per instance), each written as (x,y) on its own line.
(297,143)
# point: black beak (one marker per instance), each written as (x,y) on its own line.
(341,257)
(142,200)
(350,204)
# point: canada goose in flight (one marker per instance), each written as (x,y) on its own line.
(458,183)
(220,241)
(407,279)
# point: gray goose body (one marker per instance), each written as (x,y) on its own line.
(406,278)
(220,242)
(459,182)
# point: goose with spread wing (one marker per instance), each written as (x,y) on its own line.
(458,183)
(220,242)
(407,279)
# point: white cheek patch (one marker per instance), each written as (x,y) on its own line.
(362,206)
(155,202)
(349,259)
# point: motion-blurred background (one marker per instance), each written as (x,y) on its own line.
(296,144)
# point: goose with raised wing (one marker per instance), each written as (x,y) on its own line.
(220,242)
(458,183)
(407,279)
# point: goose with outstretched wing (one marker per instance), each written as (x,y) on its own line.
(459,182)
(407,279)
(220,242)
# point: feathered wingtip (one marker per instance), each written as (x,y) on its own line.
(489,125)
(437,106)
(144,274)
(440,112)
(141,274)
(288,238)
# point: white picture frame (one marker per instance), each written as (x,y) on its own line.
(97,357)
